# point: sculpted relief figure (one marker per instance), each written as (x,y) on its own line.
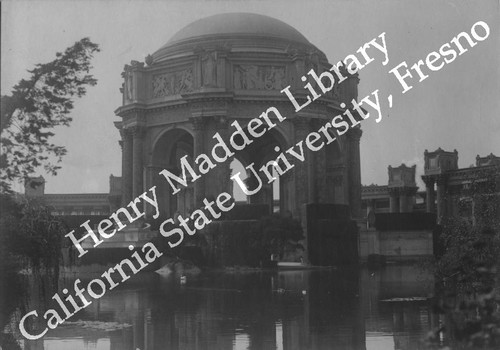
(186,81)
(246,77)
(252,81)
(275,79)
(161,85)
(252,77)
(173,83)
(129,78)
(237,78)
(209,68)
(129,85)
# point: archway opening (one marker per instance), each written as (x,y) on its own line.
(261,153)
(237,167)
(168,152)
(276,192)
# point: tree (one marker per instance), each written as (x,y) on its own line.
(36,106)
(468,286)
(30,239)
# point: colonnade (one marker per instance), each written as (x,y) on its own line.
(308,178)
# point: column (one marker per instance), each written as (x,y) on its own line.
(410,195)
(403,201)
(370,213)
(354,137)
(138,170)
(393,200)
(301,128)
(441,199)
(320,170)
(126,166)
(311,177)
(429,194)
(198,147)
(222,171)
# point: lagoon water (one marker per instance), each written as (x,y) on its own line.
(291,310)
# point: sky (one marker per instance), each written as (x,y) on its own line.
(457,107)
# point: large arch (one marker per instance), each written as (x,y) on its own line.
(170,147)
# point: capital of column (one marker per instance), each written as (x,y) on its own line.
(408,191)
(316,123)
(220,121)
(393,191)
(199,123)
(126,133)
(355,133)
(137,131)
(441,180)
(301,123)
(429,181)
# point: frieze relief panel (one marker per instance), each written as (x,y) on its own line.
(253,77)
(173,83)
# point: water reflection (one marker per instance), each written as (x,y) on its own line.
(291,310)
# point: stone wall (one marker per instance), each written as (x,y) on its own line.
(397,244)
(332,237)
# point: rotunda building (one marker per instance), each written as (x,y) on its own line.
(226,68)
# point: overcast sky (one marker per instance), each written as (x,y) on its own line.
(457,107)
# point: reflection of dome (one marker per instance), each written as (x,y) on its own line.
(229,27)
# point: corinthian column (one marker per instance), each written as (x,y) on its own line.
(393,200)
(198,148)
(404,200)
(321,193)
(302,173)
(354,136)
(126,166)
(138,170)
(429,194)
(441,199)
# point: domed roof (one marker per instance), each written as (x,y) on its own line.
(241,24)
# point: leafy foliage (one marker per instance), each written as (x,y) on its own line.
(36,106)
(469,249)
(29,231)
(467,272)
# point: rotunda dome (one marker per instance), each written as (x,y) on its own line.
(231,27)
(238,24)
